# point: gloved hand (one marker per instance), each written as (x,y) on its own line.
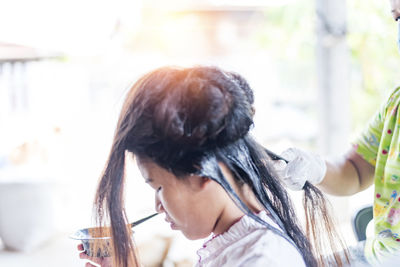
(302,166)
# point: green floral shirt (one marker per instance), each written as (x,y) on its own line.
(379,145)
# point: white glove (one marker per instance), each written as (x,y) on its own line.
(302,166)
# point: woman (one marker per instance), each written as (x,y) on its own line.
(188,129)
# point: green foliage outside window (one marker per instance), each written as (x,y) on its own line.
(289,35)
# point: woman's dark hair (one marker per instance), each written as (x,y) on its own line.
(187,120)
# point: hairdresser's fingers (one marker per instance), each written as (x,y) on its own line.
(88,264)
(280,169)
(395,8)
(296,166)
(80,247)
(291,172)
(294,176)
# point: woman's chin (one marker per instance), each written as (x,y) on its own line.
(195,236)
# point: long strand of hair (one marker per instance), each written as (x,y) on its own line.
(109,208)
(320,229)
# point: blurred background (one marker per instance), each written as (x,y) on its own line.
(319,69)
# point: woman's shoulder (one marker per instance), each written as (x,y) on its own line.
(249,243)
(274,249)
(261,247)
(265,246)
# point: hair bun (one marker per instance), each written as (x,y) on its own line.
(206,107)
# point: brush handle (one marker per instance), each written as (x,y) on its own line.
(143,220)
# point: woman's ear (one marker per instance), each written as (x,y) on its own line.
(204,181)
(198,182)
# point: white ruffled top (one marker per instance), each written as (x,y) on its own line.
(249,243)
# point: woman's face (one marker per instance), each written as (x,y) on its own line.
(192,205)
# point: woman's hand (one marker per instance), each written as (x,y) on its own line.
(395,5)
(103,262)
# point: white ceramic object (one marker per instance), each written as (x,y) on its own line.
(26,214)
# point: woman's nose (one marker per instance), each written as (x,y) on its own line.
(159,206)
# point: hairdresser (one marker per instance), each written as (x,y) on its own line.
(373,159)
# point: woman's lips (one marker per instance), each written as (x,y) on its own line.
(173,226)
(171,223)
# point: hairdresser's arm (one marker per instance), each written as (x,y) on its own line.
(351,174)
(348,175)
